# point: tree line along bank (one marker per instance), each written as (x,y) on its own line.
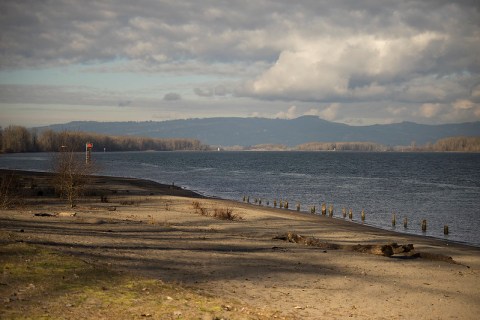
(20,139)
(15,139)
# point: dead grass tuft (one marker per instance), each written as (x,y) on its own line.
(218,213)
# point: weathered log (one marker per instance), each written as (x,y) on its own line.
(382,250)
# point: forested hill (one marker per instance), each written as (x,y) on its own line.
(254,131)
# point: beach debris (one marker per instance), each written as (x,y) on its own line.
(382,250)
(393,250)
(44,214)
(67,214)
(227,307)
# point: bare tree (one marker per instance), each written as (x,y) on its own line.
(9,189)
(72,175)
(16,139)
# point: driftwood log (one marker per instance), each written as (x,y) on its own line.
(407,251)
(382,250)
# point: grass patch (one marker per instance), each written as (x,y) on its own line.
(37,283)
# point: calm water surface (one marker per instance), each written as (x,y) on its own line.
(443,188)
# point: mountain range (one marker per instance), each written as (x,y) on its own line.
(289,132)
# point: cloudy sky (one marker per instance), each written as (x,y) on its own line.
(355,62)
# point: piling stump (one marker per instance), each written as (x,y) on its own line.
(424,225)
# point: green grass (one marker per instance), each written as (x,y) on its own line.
(37,283)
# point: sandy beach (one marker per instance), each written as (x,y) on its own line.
(159,232)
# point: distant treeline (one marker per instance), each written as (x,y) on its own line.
(341,146)
(452,144)
(459,144)
(20,139)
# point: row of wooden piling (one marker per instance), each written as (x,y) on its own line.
(283,204)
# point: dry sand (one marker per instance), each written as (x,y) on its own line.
(160,235)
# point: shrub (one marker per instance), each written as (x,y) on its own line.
(225,214)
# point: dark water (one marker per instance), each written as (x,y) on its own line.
(443,188)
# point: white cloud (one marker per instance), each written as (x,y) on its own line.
(328,113)
(463,104)
(430,110)
(289,114)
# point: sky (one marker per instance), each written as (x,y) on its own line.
(355,62)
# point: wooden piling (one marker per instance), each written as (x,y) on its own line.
(324,209)
(363,215)
(312,210)
(268,203)
(330,211)
(394,219)
(350,214)
(275,203)
(281,204)
(244,198)
(424,225)
(344,213)
(445,230)
(286,205)
(248,199)
(260,201)
(405,222)
(298,206)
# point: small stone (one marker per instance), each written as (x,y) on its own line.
(67,214)
(227,307)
